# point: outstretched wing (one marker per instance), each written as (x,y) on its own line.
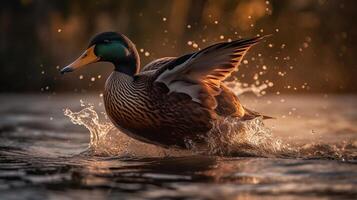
(200,74)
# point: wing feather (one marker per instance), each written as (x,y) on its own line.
(200,74)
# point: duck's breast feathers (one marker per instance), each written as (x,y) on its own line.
(200,74)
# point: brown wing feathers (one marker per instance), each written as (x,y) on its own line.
(215,63)
(200,74)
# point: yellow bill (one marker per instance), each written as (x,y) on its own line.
(86,58)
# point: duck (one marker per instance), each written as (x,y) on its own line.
(171,101)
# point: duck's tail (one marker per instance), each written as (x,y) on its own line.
(250,114)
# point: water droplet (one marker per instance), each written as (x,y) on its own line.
(308,39)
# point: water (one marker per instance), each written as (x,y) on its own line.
(308,152)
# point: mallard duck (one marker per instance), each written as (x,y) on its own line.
(171,100)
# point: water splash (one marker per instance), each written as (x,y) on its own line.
(89,118)
(228,137)
(239,88)
(105,139)
(344,151)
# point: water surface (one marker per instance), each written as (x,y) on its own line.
(309,153)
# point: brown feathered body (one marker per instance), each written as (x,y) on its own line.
(174,100)
(150,114)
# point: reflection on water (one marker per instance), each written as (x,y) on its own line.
(303,155)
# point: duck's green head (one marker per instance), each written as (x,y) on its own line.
(109,47)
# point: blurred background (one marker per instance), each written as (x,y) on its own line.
(312,50)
